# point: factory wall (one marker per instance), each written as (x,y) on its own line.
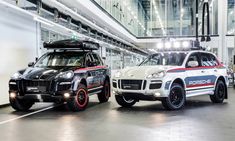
(18,46)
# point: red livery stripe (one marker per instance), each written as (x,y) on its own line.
(91,68)
(200,85)
(196,68)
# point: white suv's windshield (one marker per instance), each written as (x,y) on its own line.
(61,59)
(168,59)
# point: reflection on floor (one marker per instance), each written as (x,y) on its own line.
(148,121)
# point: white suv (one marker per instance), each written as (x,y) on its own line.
(171,77)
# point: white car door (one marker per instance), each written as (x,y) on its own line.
(209,63)
(198,78)
(193,74)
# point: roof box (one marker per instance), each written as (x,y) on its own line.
(71,44)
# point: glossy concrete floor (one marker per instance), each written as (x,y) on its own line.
(200,120)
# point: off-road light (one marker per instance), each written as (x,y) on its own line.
(176,44)
(157,94)
(12,95)
(186,44)
(66,95)
(168,45)
(160,45)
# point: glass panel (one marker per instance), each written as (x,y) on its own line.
(130,13)
(116,60)
(108,60)
(230,14)
(157,18)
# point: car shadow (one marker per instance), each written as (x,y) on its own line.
(65,108)
(157,107)
(60,108)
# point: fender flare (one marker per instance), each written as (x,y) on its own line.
(180,79)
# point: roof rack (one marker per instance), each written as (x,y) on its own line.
(71,44)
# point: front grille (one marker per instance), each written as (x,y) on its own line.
(131,84)
(35,86)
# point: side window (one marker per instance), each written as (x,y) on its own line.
(193,57)
(213,60)
(45,61)
(97,60)
(208,59)
(205,60)
(89,61)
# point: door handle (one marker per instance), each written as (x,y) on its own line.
(203,71)
(215,70)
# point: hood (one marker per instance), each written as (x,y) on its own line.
(141,72)
(44,73)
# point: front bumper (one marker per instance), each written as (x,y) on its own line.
(38,97)
(52,91)
(150,89)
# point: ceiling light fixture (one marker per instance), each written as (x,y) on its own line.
(38,19)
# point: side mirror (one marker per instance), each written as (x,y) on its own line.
(30,64)
(193,64)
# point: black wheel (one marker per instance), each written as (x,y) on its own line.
(80,101)
(124,101)
(176,98)
(105,94)
(220,92)
(20,105)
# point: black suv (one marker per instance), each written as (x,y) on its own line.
(70,72)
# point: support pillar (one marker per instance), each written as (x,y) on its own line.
(222,30)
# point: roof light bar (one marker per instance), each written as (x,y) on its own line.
(160,45)
(186,44)
(178,45)
(168,45)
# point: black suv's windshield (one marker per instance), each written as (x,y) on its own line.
(168,59)
(61,59)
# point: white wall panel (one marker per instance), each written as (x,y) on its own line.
(18,43)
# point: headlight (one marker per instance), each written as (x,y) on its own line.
(118,74)
(66,75)
(157,75)
(16,75)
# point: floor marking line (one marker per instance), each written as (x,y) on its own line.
(26,115)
